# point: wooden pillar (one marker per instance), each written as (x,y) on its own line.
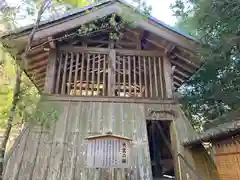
(167,69)
(50,72)
(175,149)
(111,73)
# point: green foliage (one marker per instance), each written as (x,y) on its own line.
(115,23)
(45,114)
(30,107)
(75,3)
(215,89)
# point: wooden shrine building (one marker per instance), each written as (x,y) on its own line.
(224,136)
(102,84)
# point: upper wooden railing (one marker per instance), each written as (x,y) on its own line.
(109,72)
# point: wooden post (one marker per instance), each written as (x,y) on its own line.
(175,149)
(63,89)
(60,61)
(111,73)
(167,69)
(104,76)
(50,72)
(70,75)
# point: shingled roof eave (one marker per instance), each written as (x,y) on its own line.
(226,130)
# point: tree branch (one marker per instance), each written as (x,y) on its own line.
(43,7)
(10,120)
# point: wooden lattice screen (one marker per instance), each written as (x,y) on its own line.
(106,72)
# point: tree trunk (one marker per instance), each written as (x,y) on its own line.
(10,120)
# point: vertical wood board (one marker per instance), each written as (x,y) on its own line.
(61,152)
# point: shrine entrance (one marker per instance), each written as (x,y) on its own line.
(161,157)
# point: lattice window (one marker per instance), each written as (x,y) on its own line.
(109,73)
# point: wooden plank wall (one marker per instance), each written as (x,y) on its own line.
(196,163)
(60,152)
(227,155)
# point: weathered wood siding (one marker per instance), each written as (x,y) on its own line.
(190,163)
(60,152)
(227,155)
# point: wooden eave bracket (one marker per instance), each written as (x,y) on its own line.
(52,43)
(169,49)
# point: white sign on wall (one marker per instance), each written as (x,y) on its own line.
(108,152)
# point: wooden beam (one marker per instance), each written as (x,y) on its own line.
(187,60)
(179,79)
(186,67)
(112,74)
(63,85)
(75,21)
(41,82)
(156,44)
(39,78)
(167,34)
(132,31)
(34,52)
(168,76)
(107,42)
(50,72)
(169,49)
(36,71)
(38,64)
(184,75)
(52,44)
(68,98)
(177,84)
(108,50)
(38,57)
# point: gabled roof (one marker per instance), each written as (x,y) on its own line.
(224,127)
(112,6)
(181,45)
(95,5)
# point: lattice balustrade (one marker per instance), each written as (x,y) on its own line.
(109,72)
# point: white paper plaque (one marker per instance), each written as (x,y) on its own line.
(108,152)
